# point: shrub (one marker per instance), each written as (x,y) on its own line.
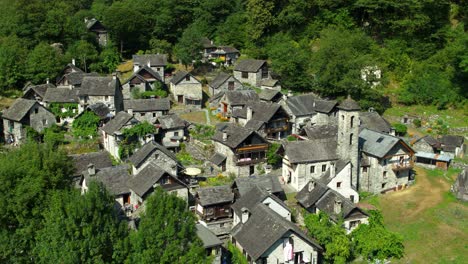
(400,129)
(417,122)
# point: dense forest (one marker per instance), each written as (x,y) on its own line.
(313,45)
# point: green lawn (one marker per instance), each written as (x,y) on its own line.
(198,117)
(429,218)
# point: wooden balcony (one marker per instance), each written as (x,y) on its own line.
(252,148)
(276,129)
(248,161)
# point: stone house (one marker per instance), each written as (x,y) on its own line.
(269,183)
(212,244)
(229,101)
(427,144)
(186,89)
(156,154)
(172,130)
(270,120)
(251,71)
(373,121)
(64,100)
(228,55)
(213,208)
(316,197)
(156,62)
(307,109)
(460,187)
(144,79)
(224,82)
(99,159)
(453,145)
(208,47)
(244,149)
(25,113)
(264,236)
(386,162)
(112,132)
(432,161)
(36,92)
(114,178)
(106,90)
(74,79)
(143,184)
(95,26)
(147,109)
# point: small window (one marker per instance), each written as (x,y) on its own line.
(312,169)
(338,185)
(142,114)
(154,114)
(106,98)
(176,134)
(352,121)
(383,185)
(245,75)
(351,139)
(364,169)
(384,175)
(231,85)
(187,77)
(385,162)
(324,167)
(158,69)
(351,197)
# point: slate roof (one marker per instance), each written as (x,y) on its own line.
(61,95)
(39,89)
(72,67)
(76,78)
(269,82)
(450,142)
(146,179)
(308,104)
(321,131)
(326,204)
(263,229)
(207,43)
(93,85)
(147,105)
(114,178)
(254,196)
(171,121)
(153,59)
(241,97)
(261,111)
(374,121)
(118,122)
(236,135)
(179,76)
(377,144)
(99,159)
(225,50)
(268,94)
(433,156)
(100,109)
(217,159)
(139,76)
(91,22)
(311,150)
(207,237)
(265,182)
(221,78)
(140,155)
(308,198)
(349,104)
(215,195)
(249,65)
(18,109)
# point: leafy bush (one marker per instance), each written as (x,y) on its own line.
(236,255)
(71,109)
(417,122)
(54,135)
(400,129)
(86,125)
(272,157)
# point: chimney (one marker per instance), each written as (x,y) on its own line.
(225,136)
(311,186)
(91,169)
(130,111)
(249,113)
(371,109)
(47,80)
(313,104)
(290,93)
(114,76)
(332,170)
(268,189)
(245,215)
(73,61)
(285,97)
(148,64)
(86,20)
(337,206)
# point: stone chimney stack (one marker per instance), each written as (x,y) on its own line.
(91,169)
(332,170)
(130,111)
(47,80)
(249,113)
(148,64)
(245,215)
(114,76)
(73,61)
(290,93)
(311,186)
(338,205)
(225,136)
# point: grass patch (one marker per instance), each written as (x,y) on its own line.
(198,117)
(126,70)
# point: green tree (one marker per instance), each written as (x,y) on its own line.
(189,46)
(109,59)
(12,60)
(43,62)
(373,241)
(259,17)
(27,177)
(84,52)
(273,158)
(166,233)
(82,228)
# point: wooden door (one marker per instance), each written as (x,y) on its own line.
(180,99)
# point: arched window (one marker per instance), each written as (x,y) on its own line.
(352,121)
(351,139)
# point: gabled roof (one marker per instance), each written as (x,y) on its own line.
(100,109)
(39,89)
(72,67)
(118,122)
(429,140)
(221,78)
(90,23)
(217,159)
(249,65)
(138,74)
(261,111)
(450,142)
(114,178)
(254,196)
(269,82)
(311,150)
(269,94)
(171,121)
(93,85)
(225,50)
(215,195)
(147,105)
(308,104)
(321,131)
(144,152)
(153,59)
(99,159)
(61,95)
(235,135)
(241,97)
(374,121)
(207,237)
(18,109)
(76,78)
(263,229)
(146,179)
(326,204)
(265,182)
(349,104)
(378,144)
(311,193)
(180,75)
(207,43)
